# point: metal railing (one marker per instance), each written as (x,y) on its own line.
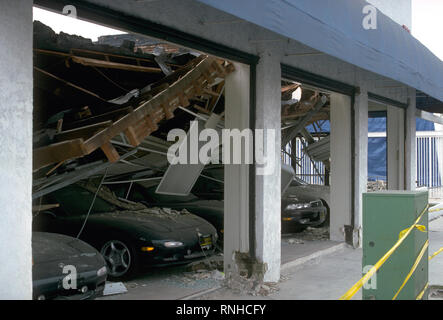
(429,160)
(313,172)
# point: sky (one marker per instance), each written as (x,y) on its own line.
(427,24)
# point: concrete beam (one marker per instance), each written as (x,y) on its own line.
(16,154)
(428,116)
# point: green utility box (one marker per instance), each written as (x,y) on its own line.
(385,215)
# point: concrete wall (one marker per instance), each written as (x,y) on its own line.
(16,149)
(398,10)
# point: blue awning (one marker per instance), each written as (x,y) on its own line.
(335,28)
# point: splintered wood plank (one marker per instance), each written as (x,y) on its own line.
(144,109)
(57,152)
(110,152)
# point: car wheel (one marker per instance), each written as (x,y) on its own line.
(119,257)
(327,218)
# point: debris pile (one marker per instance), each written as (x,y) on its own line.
(97,102)
(309,234)
(251,286)
(202,279)
(377,185)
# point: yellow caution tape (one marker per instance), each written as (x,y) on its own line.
(359,284)
(436,253)
(418,226)
(435,210)
(414,266)
(420,295)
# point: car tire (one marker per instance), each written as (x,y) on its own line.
(120,258)
(327,219)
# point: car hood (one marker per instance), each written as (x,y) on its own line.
(51,252)
(307,193)
(155,219)
(50,247)
(210,204)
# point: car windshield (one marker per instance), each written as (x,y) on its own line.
(76,200)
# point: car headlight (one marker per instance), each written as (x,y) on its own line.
(296,206)
(172,244)
(102,271)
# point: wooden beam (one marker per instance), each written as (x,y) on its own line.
(69,83)
(132,137)
(292,132)
(82,132)
(111,115)
(110,152)
(44,207)
(150,108)
(90,62)
(54,153)
(290,87)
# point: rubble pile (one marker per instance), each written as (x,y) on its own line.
(376,185)
(310,234)
(251,286)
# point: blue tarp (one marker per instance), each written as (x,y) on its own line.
(377,146)
(335,27)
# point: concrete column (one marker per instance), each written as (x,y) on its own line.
(268,187)
(410,143)
(360,161)
(341,173)
(16,149)
(236,204)
(395,131)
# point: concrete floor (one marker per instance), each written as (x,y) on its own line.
(328,277)
(318,277)
(178,283)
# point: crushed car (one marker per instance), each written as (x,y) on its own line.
(210,210)
(311,193)
(55,257)
(129,235)
(300,208)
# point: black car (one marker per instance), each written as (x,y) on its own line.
(298,211)
(55,257)
(128,235)
(210,210)
(297,215)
